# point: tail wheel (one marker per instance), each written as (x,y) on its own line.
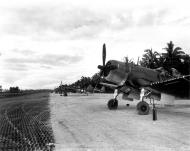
(112,104)
(143,108)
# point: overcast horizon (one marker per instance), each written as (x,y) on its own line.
(44,42)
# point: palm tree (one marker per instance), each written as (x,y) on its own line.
(172,57)
(151,59)
(127,60)
(184,67)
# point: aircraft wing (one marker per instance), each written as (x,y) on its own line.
(112,86)
(129,93)
(124,89)
(179,87)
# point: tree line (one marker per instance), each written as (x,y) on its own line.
(173,57)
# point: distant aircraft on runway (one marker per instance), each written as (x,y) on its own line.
(64,89)
(137,82)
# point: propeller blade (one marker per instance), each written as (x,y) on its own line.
(104,54)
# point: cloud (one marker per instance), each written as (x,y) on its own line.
(47,60)
(70,22)
(151,18)
(39,70)
(16,66)
(11,76)
(55,20)
(45,67)
(55,59)
(63,41)
(24,52)
(122,20)
(42,82)
(182,21)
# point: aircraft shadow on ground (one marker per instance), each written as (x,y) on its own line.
(103,108)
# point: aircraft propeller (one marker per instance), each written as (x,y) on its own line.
(102,67)
(105,68)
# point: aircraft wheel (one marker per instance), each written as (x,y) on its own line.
(112,104)
(143,108)
(65,94)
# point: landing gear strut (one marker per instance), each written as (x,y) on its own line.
(143,107)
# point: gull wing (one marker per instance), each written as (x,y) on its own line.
(112,86)
(179,87)
(124,89)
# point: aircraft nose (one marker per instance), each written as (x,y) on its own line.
(106,69)
(100,67)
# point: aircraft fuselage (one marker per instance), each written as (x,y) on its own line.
(137,76)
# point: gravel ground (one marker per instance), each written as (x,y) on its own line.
(84,123)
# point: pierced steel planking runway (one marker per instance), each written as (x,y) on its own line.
(24,123)
(80,122)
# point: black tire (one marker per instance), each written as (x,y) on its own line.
(65,94)
(143,108)
(112,104)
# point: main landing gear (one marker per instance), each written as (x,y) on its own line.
(143,107)
(113,103)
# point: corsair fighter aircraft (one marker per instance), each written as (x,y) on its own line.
(137,82)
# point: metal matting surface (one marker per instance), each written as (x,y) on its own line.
(24,125)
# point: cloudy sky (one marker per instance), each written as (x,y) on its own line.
(43,42)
